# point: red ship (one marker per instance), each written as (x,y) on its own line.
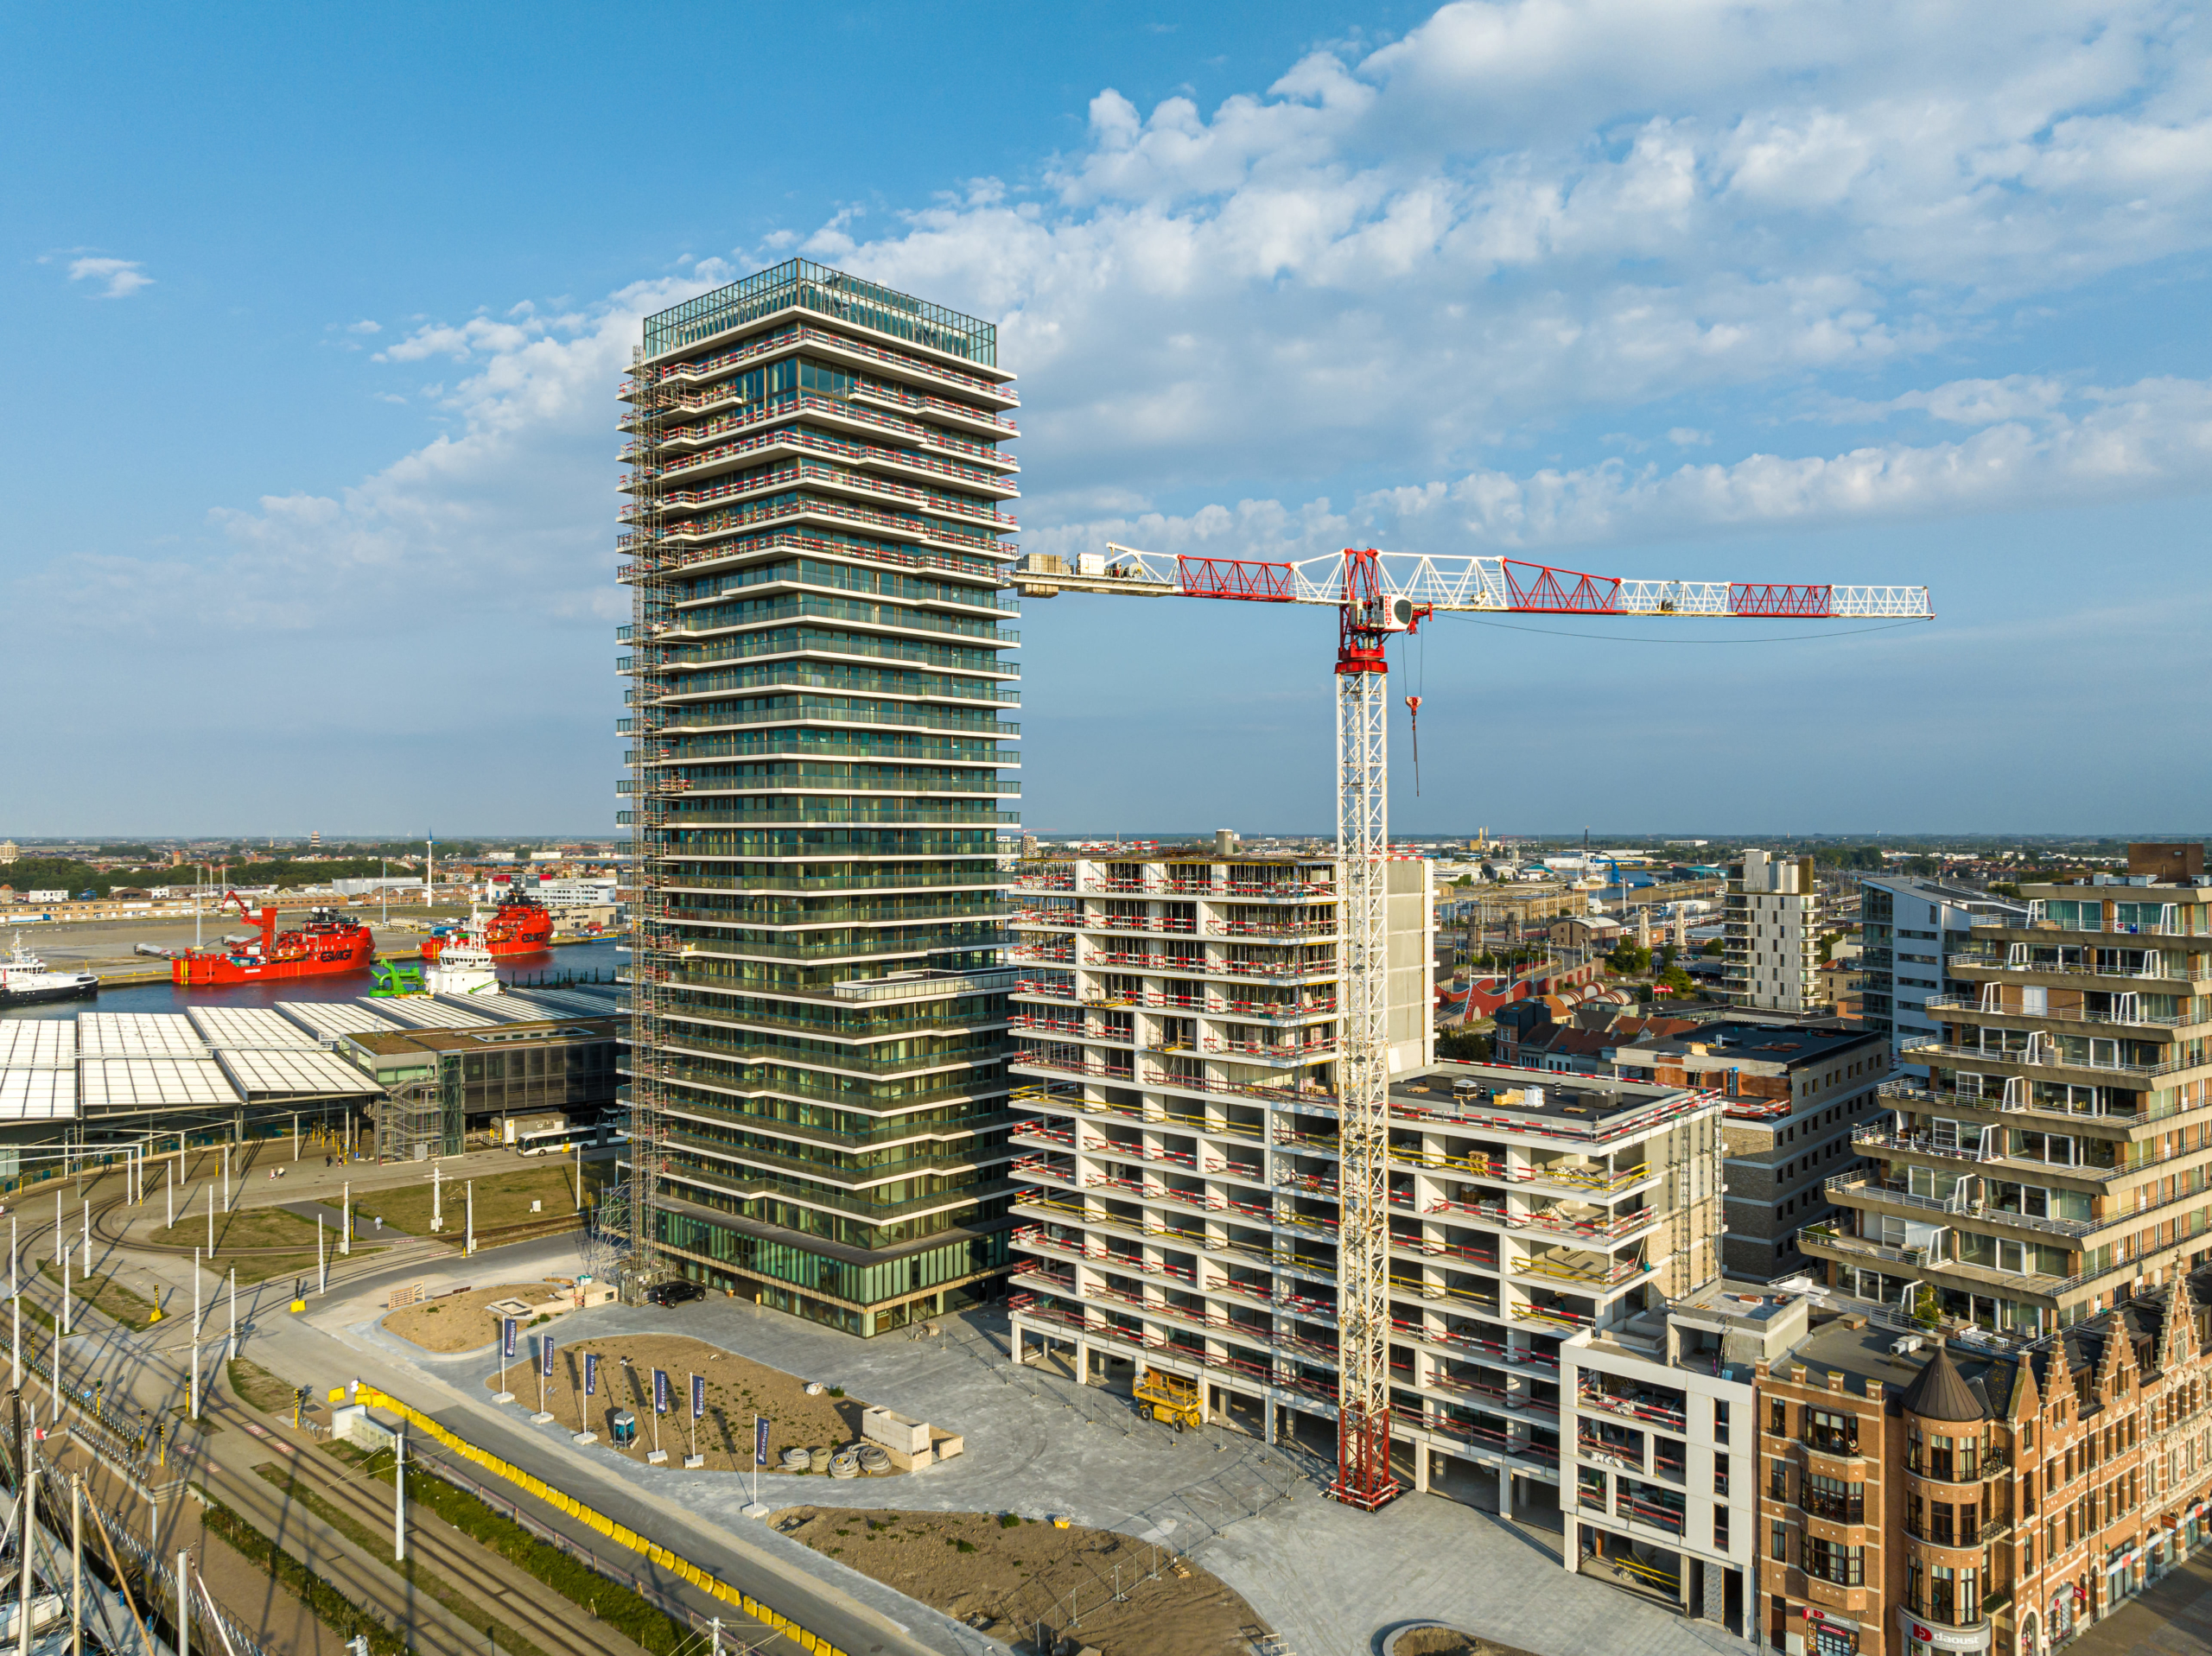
(328,943)
(519,925)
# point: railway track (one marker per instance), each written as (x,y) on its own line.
(519,1601)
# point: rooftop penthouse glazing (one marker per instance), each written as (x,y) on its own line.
(852,301)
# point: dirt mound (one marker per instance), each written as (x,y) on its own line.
(1126,1596)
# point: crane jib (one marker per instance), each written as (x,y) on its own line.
(1459,581)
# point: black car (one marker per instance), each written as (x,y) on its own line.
(675,1293)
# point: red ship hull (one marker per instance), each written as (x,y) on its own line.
(500,947)
(520,925)
(323,947)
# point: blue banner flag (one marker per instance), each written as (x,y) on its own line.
(591,1374)
(507,1338)
(660,1391)
(759,1440)
(545,1356)
(698,1397)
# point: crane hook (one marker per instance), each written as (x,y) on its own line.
(1412,715)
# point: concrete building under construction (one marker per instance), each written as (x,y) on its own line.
(1177,1121)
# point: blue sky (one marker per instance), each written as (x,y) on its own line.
(317,316)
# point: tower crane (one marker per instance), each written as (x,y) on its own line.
(1377,594)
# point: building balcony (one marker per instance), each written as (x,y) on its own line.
(2145,966)
(1646,1408)
(1858,1191)
(991,393)
(1939,1052)
(1962,1006)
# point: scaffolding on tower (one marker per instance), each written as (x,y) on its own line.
(653,946)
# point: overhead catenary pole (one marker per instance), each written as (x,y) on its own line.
(27,1451)
(88,1238)
(346,1218)
(184,1604)
(211,1219)
(76,1565)
(231,1346)
(399,1494)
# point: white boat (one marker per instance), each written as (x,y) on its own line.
(464,967)
(25,980)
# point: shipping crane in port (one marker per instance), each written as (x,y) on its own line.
(1378,595)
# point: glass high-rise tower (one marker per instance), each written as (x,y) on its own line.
(816,541)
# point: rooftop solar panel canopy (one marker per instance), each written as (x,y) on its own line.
(276,1072)
(249,1026)
(38,1095)
(138,1035)
(153,1083)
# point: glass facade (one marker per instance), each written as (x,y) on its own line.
(818,536)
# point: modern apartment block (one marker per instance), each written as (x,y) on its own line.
(1907,926)
(1918,1498)
(2056,1158)
(1794,1096)
(1666,1446)
(817,543)
(1771,941)
(1180,1203)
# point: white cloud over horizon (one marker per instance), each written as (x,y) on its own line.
(1390,281)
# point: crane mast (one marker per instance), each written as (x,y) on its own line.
(1376,594)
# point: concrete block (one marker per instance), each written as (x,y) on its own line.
(352,1424)
(895,1432)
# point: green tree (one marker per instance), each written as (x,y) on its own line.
(1463,1045)
(1629,958)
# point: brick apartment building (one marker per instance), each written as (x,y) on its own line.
(1914,1501)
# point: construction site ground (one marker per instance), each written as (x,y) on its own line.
(1127,1597)
(737,1389)
(1326,1578)
(461,1321)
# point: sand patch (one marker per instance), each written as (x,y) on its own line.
(1002,1578)
(737,1389)
(461,1321)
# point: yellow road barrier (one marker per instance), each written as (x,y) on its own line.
(620,1534)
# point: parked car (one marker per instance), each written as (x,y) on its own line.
(674,1293)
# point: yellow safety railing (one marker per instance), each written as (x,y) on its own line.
(620,1534)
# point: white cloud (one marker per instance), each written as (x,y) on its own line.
(364,327)
(509,517)
(2152,436)
(117,278)
(1529,210)
(1413,268)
